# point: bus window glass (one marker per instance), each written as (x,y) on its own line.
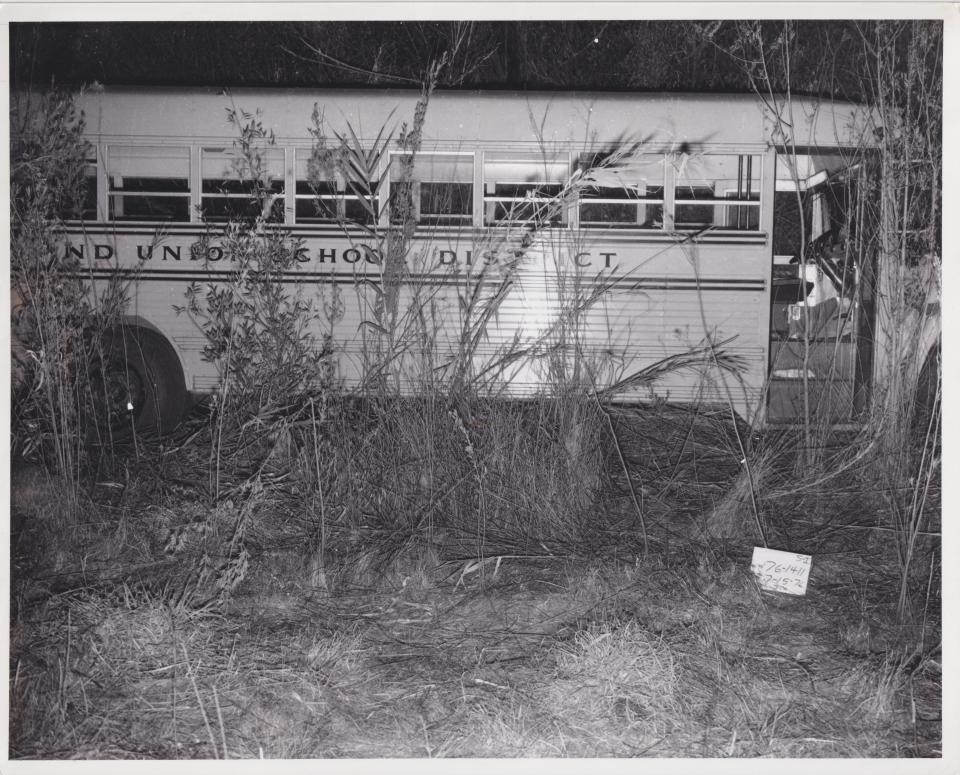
(627,194)
(316,194)
(324,195)
(231,192)
(524,190)
(717,191)
(811,201)
(437,189)
(149,183)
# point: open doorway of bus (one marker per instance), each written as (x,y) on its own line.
(821,304)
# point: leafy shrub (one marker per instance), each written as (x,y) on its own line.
(259,332)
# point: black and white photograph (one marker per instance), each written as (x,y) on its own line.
(394,386)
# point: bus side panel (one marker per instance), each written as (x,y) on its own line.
(563,307)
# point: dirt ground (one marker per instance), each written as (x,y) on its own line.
(621,650)
(537,657)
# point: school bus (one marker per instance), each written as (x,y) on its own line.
(689,248)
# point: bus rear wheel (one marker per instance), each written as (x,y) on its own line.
(137,385)
(927,400)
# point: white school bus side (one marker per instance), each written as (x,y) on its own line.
(677,245)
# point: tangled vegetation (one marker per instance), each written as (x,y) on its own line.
(298,572)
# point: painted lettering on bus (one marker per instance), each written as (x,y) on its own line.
(200,251)
(351,255)
(583,259)
(100,252)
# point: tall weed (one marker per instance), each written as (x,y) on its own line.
(274,368)
(58,328)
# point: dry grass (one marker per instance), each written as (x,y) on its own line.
(128,642)
(411,484)
(613,671)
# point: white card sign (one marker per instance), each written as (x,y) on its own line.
(778,571)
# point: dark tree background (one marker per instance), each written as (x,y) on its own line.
(613,55)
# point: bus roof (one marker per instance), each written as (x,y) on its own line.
(478,118)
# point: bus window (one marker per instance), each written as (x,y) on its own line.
(437,189)
(83,207)
(324,195)
(523,189)
(149,183)
(317,194)
(812,201)
(229,190)
(718,191)
(628,195)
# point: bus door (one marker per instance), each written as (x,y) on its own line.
(819,348)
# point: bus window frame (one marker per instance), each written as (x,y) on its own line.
(110,192)
(675,183)
(467,219)
(278,195)
(513,157)
(569,216)
(341,196)
(641,202)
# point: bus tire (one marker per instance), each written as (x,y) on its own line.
(926,395)
(137,384)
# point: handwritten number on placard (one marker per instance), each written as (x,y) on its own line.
(781,572)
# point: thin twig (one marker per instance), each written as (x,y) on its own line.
(203,712)
(223,735)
